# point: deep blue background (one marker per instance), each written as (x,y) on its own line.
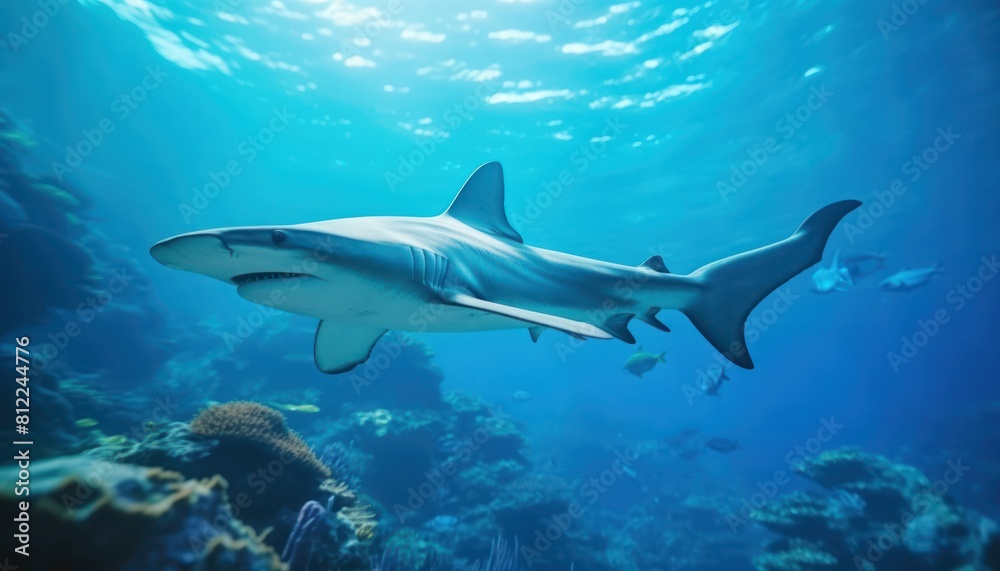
(653,190)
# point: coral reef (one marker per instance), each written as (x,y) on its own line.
(337,458)
(326,538)
(679,532)
(272,474)
(299,547)
(402,454)
(882,515)
(91,514)
(255,425)
(406,551)
(449,477)
(502,557)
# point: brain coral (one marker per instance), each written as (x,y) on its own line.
(254,424)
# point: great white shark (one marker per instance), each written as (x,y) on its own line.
(469,270)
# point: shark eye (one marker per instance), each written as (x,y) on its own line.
(279,237)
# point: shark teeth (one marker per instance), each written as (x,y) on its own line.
(244,279)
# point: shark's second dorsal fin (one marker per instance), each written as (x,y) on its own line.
(480,203)
(656,264)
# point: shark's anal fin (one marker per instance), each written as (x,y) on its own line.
(570,326)
(480,203)
(342,346)
(650,317)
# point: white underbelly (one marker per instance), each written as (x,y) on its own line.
(372,304)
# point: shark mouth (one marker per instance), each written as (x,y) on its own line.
(244,279)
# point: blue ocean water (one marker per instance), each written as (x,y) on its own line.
(693,131)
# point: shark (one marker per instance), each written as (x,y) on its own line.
(468,269)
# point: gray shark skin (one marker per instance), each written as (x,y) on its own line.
(468,270)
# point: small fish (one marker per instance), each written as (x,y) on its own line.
(910,279)
(296,407)
(629,471)
(712,381)
(86,422)
(112,440)
(640,362)
(863,264)
(724,445)
(834,278)
(521,396)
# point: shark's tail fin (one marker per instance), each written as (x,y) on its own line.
(732,287)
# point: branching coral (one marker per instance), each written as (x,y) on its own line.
(336,457)
(344,501)
(363,519)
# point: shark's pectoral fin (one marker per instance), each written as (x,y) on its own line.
(535,333)
(570,326)
(342,346)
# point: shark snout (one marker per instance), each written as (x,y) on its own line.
(235,255)
(191,252)
(210,254)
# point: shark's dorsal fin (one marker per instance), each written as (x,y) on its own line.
(480,203)
(656,264)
